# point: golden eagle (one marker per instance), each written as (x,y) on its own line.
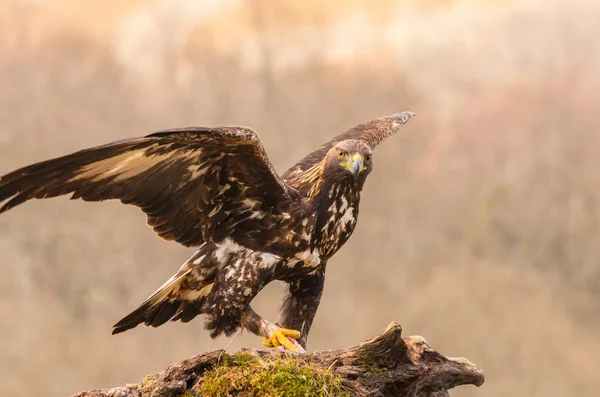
(215,189)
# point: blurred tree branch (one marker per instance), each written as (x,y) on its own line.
(387,365)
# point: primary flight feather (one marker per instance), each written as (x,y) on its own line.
(215,189)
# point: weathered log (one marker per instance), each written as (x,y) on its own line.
(387,365)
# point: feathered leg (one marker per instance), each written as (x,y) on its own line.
(301,303)
(235,286)
(228,305)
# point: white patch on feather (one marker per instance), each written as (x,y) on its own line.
(250,204)
(332,208)
(231,272)
(268,260)
(227,248)
(310,258)
(257,214)
(348,217)
(344,204)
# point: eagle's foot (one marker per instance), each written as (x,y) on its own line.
(285,338)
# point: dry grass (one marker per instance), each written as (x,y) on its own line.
(478,230)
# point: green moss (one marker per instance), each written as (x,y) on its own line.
(187,393)
(283,376)
(373,369)
(372,365)
(147,384)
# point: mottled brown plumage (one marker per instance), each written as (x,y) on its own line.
(215,189)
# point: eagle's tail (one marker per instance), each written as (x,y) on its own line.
(171,301)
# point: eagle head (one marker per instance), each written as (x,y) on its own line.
(349,160)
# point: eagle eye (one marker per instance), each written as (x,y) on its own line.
(367,159)
(341,154)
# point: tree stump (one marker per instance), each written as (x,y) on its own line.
(387,365)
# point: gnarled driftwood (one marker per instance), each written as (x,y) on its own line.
(387,365)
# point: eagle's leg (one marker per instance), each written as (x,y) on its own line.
(301,302)
(228,305)
(274,336)
(286,338)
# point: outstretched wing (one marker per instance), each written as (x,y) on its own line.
(195,184)
(371,132)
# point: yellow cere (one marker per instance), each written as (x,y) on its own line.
(355,156)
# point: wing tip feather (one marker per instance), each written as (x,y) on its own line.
(404,116)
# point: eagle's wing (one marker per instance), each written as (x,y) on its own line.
(195,184)
(371,132)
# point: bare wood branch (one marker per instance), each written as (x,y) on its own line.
(387,365)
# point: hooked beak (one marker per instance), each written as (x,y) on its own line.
(356,164)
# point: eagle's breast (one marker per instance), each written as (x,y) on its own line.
(339,219)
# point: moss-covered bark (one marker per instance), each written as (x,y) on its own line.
(387,365)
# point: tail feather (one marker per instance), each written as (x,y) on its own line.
(157,309)
(174,300)
(189,310)
(163,313)
(150,313)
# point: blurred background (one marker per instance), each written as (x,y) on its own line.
(479,230)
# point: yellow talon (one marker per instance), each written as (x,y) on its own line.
(279,337)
